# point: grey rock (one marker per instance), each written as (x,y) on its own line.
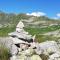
(55,56)
(14,50)
(49,47)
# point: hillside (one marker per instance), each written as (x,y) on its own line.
(34,25)
(12,19)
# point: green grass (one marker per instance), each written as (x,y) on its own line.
(4,53)
(5,30)
(42,30)
(38,31)
(42,38)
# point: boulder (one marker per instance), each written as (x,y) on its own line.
(49,47)
(14,50)
(55,56)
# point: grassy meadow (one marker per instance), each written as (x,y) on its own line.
(34,31)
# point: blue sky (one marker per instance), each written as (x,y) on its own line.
(50,7)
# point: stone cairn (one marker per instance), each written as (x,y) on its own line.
(24,46)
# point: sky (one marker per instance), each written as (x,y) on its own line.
(50,8)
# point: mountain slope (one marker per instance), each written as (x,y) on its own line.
(34,25)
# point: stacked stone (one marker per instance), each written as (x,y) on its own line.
(22,44)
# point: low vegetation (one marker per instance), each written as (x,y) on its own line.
(5,30)
(38,31)
(42,30)
(4,53)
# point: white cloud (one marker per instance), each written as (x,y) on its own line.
(37,14)
(58,14)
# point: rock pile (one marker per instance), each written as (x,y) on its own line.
(24,47)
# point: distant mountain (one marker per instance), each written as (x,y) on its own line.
(12,19)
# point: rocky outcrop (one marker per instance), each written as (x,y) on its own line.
(50,49)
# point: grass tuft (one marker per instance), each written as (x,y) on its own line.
(4,53)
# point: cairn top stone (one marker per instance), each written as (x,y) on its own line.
(20,25)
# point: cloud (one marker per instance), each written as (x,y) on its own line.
(38,14)
(58,14)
